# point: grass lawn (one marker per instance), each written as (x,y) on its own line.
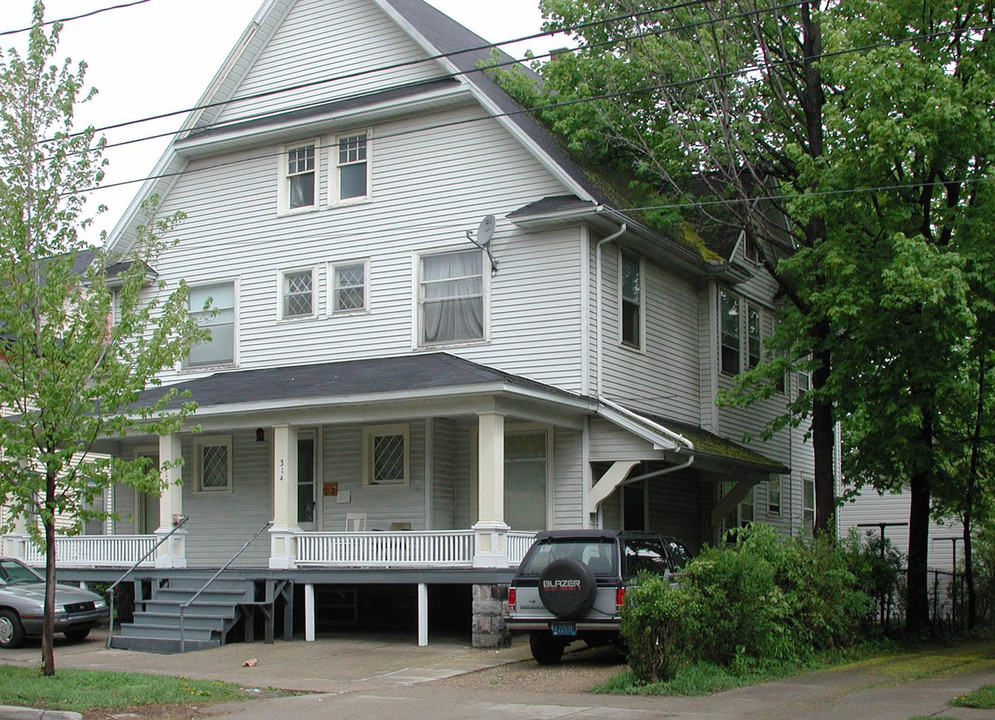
(887,663)
(85,689)
(983,698)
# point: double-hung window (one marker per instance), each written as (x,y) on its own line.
(451,297)
(740,334)
(298,294)
(352,165)
(350,288)
(214,308)
(774,495)
(385,455)
(631,300)
(808,503)
(300,175)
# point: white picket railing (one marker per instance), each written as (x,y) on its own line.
(439,548)
(519,542)
(95,551)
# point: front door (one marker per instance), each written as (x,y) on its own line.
(307,479)
(634,506)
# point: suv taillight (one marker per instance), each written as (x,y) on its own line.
(511,597)
(619,597)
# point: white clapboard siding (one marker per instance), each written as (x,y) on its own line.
(664,376)
(221,522)
(611,443)
(427,191)
(568,479)
(320,40)
(872,507)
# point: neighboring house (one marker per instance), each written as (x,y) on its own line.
(869,509)
(407,408)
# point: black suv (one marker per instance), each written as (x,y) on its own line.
(571,585)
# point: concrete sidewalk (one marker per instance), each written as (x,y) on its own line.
(391,677)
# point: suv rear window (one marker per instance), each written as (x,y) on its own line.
(598,555)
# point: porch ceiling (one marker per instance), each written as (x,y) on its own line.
(438,381)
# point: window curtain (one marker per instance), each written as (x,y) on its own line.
(453,297)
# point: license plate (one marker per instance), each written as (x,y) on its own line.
(564,629)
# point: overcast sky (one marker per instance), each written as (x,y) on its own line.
(159,56)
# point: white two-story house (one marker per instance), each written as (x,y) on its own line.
(435,334)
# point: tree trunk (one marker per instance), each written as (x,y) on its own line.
(48,621)
(917,598)
(972,484)
(824,450)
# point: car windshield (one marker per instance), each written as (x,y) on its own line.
(13,573)
(595,553)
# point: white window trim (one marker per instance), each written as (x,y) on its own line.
(416,296)
(201,442)
(641,347)
(374,431)
(281,296)
(283,189)
(235,325)
(333,165)
(745,305)
(365,262)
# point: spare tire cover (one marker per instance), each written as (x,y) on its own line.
(567,588)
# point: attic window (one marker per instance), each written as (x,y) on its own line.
(751,249)
(631,305)
(299,178)
(353,166)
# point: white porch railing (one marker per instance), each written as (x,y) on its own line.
(429,548)
(519,542)
(445,548)
(95,551)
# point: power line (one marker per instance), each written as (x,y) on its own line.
(74,17)
(551,106)
(399,65)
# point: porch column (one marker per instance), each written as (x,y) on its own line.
(283,541)
(490,532)
(173,552)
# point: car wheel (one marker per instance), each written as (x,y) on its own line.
(11,630)
(546,649)
(77,635)
(567,588)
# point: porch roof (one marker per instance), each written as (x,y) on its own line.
(353,380)
(709,445)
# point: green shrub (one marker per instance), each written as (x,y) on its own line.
(763,600)
(658,626)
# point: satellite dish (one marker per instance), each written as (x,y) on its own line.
(485,231)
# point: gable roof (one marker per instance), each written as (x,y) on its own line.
(459,53)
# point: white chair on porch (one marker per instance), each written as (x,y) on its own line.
(355,522)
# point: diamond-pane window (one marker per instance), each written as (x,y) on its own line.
(214,464)
(298,294)
(386,455)
(350,287)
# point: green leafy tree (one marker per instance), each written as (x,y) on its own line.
(710,113)
(81,334)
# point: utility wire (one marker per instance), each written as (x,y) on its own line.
(567,103)
(398,66)
(73,17)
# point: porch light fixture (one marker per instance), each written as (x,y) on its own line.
(260,435)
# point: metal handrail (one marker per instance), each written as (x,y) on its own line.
(188,603)
(110,590)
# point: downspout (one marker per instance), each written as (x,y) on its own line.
(597,275)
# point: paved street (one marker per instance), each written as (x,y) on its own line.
(364,678)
